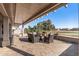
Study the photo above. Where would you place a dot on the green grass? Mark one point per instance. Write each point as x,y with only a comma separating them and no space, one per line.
69,33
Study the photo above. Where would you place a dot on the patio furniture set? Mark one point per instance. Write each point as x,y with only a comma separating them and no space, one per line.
39,37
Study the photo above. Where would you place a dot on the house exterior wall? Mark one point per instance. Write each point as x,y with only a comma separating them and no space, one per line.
1,30
6,41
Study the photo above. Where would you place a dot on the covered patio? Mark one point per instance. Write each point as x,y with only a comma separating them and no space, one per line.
14,15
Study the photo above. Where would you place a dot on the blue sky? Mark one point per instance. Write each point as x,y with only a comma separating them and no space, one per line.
62,18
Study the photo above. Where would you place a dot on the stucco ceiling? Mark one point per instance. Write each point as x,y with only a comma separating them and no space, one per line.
25,11
21,13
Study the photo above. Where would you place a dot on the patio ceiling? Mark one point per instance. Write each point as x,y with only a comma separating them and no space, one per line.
22,13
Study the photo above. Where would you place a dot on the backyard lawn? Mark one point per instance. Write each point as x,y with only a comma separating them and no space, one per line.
69,33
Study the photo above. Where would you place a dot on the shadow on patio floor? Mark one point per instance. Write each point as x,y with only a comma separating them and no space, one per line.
71,51
20,51
24,39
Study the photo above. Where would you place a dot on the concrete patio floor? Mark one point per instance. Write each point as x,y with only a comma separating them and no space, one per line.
8,52
38,49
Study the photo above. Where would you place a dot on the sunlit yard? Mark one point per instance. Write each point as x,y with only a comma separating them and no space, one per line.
69,33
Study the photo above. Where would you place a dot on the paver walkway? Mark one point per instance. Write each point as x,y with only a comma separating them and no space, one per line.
8,52
42,49
38,49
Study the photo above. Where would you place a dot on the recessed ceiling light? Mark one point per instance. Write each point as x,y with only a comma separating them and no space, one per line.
66,6
54,11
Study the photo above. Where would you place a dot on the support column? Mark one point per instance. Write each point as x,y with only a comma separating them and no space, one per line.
6,41
10,34
22,30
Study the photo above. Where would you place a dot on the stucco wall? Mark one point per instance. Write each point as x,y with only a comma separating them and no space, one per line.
0,29
68,39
